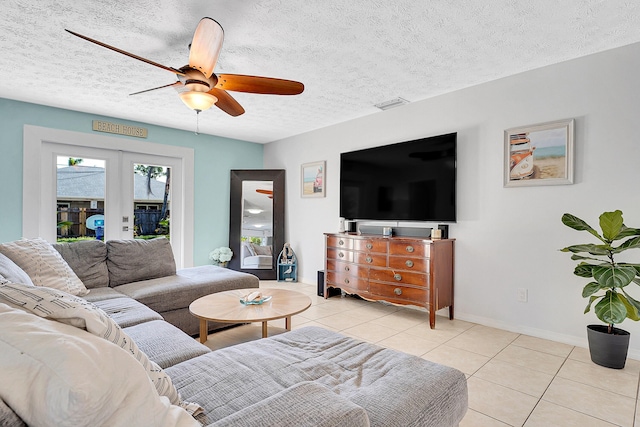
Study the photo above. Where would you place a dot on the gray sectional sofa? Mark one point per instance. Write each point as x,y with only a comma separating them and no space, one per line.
145,271
306,377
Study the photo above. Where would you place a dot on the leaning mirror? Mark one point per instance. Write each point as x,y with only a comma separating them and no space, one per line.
256,229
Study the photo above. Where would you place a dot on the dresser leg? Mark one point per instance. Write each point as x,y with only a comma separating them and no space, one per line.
432,318
451,312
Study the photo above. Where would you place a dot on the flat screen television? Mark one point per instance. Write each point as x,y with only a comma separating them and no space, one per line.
406,181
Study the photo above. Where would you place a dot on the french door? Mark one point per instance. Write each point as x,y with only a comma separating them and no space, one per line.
100,188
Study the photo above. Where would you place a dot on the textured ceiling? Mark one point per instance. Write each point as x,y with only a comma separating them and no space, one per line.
350,54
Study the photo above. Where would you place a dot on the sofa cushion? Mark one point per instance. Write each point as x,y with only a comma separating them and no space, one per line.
180,290
88,259
377,379
44,265
100,294
71,310
134,260
10,271
86,381
164,343
127,312
302,405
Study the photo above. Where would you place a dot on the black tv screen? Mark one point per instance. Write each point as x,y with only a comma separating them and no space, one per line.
410,181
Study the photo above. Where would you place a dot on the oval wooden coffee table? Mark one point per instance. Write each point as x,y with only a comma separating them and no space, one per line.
225,307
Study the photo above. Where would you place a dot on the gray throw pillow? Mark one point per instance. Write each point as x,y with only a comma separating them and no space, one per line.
135,260
88,259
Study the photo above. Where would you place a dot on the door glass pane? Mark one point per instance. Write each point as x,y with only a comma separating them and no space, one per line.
80,198
151,201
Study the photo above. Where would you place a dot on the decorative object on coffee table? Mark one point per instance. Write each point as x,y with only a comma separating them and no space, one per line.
225,307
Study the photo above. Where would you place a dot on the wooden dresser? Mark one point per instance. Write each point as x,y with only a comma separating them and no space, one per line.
399,270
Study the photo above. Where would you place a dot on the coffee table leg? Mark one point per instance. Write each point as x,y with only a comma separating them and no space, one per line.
264,329
204,331
287,323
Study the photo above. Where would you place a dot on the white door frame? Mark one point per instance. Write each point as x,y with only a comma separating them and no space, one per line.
39,178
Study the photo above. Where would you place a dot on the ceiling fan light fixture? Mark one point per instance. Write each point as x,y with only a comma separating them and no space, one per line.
198,101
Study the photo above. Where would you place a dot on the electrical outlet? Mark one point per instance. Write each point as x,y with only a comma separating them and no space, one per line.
522,295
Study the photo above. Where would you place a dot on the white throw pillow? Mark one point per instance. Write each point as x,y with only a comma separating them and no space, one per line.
44,265
78,312
58,375
11,272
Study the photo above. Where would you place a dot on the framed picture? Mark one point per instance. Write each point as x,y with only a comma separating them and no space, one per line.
539,154
312,179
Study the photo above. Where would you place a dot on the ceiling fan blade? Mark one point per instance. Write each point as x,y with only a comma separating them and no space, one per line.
227,103
139,58
206,45
255,84
156,88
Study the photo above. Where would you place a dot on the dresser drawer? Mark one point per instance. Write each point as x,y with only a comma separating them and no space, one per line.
399,292
408,247
347,281
399,277
342,242
379,260
406,263
340,254
370,245
348,269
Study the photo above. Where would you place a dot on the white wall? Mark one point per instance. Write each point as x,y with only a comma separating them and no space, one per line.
507,238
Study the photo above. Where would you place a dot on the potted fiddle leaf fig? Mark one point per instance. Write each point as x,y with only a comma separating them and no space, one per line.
609,284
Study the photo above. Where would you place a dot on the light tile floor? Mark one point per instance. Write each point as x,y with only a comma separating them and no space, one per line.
513,379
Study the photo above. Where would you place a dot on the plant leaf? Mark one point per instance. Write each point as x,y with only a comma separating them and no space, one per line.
588,247
632,311
609,276
628,244
591,300
580,257
627,232
584,270
635,303
611,224
591,289
578,224
610,309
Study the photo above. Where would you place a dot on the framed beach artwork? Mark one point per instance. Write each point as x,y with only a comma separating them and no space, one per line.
312,180
539,154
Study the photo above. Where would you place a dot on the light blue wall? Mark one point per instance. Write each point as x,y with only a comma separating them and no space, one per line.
214,158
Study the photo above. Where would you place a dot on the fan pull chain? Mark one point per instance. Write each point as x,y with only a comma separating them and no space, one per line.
197,122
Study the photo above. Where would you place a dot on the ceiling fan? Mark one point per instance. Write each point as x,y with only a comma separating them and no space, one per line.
198,86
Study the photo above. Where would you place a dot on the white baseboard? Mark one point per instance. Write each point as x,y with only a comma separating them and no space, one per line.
534,332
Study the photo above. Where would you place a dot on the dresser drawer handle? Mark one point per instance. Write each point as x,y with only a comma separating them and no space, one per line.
346,281
369,259
341,242
410,249
346,268
409,263
341,254
397,291
369,246
397,276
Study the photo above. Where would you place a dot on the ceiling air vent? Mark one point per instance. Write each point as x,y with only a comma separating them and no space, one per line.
387,105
